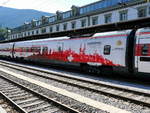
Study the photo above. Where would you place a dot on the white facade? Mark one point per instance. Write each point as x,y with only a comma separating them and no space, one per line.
131,13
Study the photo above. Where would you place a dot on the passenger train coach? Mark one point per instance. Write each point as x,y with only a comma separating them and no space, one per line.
125,51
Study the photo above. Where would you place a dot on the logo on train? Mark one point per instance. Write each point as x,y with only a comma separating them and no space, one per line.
119,43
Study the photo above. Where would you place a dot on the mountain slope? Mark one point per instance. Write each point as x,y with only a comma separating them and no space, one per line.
10,17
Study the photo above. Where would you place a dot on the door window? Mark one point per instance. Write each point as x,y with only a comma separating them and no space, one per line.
107,49
145,49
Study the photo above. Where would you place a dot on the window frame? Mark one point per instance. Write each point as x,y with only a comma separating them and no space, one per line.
73,24
57,28
123,15
142,8
83,23
65,26
145,49
107,49
95,20
108,18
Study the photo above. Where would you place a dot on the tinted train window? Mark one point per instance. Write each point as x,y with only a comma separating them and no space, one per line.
59,49
45,49
27,49
145,49
107,49
38,49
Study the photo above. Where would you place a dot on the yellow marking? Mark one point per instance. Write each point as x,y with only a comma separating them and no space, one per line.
119,43
74,96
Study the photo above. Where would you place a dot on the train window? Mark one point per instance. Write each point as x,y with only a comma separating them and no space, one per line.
145,49
23,49
27,49
107,49
32,49
45,49
38,49
59,49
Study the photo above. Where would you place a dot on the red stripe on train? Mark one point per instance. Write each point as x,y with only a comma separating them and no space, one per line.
143,33
72,56
138,50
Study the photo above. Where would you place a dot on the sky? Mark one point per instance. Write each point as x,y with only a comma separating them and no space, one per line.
50,6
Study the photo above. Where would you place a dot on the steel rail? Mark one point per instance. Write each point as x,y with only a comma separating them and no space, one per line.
123,97
12,103
57,103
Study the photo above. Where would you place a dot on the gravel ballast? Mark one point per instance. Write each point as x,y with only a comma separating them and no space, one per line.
129,106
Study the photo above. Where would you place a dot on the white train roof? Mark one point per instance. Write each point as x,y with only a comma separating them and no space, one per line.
112,33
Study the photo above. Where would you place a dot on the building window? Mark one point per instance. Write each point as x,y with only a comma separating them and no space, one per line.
51,29
65,26
142,11
43,30
101,4
24,34
83,23
95,20
32,32
66,14
108,18
52,19
73,25
57,27
21,34
28,33
123,15
37,31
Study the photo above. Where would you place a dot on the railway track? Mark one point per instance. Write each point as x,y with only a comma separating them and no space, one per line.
126,94
25,100
6,106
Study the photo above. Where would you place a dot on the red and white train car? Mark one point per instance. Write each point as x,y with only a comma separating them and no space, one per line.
125,51
142,55
6,50
102,49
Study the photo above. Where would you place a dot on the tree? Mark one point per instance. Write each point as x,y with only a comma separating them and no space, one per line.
3,33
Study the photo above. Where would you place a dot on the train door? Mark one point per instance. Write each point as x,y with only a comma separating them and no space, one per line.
143,60
13,51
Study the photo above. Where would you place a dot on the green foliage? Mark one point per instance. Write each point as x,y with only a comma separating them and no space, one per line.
3,33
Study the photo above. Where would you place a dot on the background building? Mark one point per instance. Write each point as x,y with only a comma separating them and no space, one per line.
98,13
